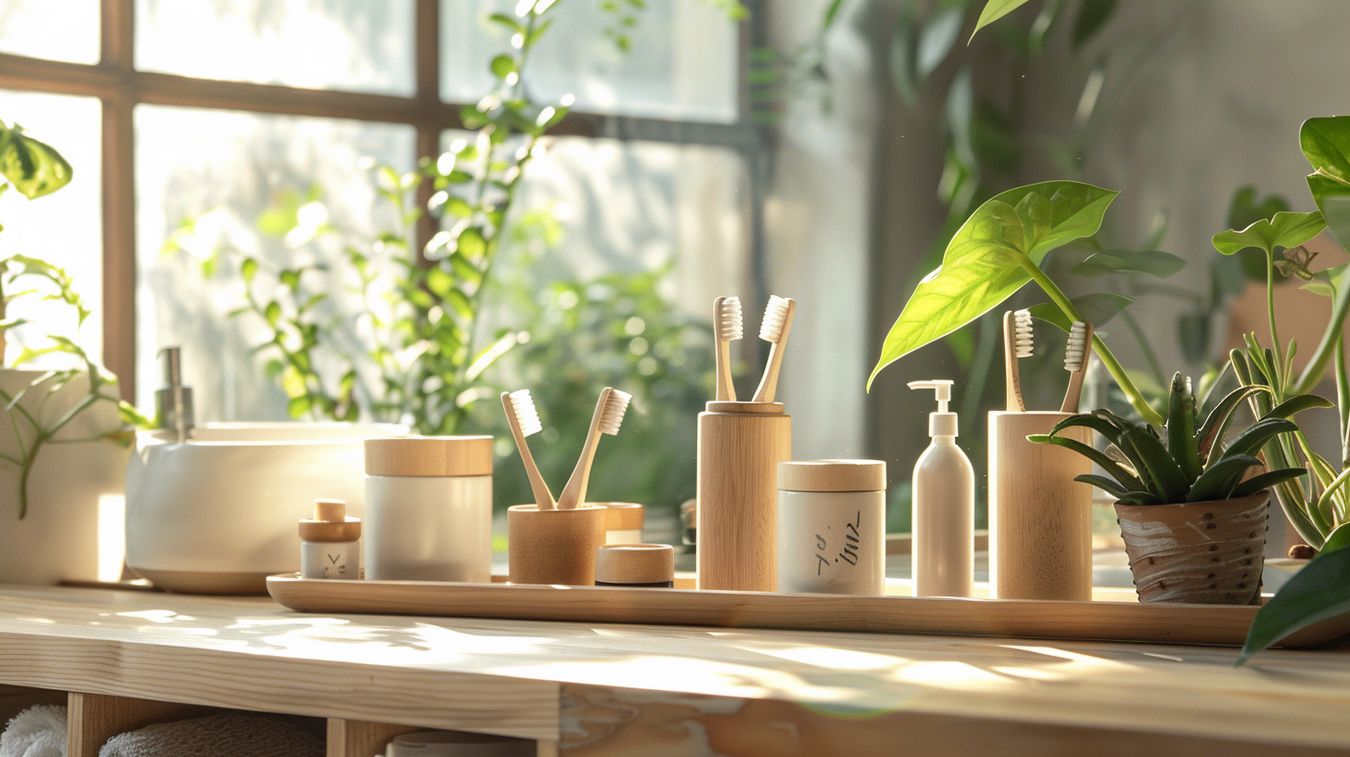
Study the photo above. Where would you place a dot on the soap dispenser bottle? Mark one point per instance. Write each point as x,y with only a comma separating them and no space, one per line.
943,496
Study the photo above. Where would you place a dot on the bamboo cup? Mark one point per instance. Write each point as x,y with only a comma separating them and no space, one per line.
740,445
1040,519
553,546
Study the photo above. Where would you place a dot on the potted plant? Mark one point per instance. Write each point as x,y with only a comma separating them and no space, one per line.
65,433
1193,520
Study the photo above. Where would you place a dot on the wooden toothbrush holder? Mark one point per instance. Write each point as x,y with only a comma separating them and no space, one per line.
553,546
740,445
1040,519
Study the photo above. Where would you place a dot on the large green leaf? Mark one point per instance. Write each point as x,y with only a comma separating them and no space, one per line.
984,263
1096,308
1326,145
35,168
1284,229
1319,591
994,10
1154,262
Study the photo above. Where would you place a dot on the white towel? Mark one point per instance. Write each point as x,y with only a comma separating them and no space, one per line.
39,731
221,735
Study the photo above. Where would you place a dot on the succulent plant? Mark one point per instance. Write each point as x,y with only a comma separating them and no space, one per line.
1188,460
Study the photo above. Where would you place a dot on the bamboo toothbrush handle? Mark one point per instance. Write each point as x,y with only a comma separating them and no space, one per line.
543,498
575,492
1013,378
1073,394
768,384
726,390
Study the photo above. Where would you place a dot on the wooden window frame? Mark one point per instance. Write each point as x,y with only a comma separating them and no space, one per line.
120,87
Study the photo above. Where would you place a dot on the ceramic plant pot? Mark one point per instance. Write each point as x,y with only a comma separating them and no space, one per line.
1208,553
72,530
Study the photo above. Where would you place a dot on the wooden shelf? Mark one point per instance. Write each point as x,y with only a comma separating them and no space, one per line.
608,689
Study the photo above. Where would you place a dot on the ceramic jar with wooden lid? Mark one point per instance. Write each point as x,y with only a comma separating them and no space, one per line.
429,509
832,526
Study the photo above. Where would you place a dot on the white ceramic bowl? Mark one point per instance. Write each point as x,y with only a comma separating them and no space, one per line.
218,513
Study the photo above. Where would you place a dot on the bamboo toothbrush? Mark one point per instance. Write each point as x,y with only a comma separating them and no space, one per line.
774,328
1018,343
1077,354
730,325
609,411
523,418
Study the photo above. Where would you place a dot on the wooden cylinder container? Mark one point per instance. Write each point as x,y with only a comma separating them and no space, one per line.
740,445
1040,519
553,546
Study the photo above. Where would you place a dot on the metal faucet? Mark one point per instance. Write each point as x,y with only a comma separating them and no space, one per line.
173,402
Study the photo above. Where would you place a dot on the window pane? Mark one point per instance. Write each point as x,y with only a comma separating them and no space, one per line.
65,227
52,29
246,183
681,61
614,253
319,44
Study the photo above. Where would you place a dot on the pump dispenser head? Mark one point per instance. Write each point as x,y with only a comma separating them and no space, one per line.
940,422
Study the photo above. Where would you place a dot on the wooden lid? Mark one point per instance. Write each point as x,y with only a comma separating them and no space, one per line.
622,516
832,476
429,456
635,563
744,408
330,523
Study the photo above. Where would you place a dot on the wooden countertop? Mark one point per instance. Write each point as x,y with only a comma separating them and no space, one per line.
509,677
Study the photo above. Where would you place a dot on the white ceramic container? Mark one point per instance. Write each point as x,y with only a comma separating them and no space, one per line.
72,529
217,514
832,526
428,510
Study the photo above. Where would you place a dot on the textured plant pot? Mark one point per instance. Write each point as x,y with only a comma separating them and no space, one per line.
1208,553
72,530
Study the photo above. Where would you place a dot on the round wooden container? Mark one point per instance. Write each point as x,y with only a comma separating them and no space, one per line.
740,445
553,546
623,522
635,565
1040,519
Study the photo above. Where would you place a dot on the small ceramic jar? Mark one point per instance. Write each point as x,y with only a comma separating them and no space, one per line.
649,566
330,542
623,522
832,526
429,509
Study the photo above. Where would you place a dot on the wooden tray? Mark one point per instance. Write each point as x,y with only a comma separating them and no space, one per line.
1219,625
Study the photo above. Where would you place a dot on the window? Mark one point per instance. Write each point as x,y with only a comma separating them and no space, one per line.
206,108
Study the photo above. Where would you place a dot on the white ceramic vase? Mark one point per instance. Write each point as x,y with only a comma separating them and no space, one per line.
73,524
219,513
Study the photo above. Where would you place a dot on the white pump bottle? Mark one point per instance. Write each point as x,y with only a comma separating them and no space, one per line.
943,491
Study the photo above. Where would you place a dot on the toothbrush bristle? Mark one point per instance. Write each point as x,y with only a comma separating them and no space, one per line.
775,316
730,320
527,415
1023,338
1076,349
615,408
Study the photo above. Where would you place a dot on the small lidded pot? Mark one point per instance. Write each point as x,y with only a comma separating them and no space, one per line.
330,542
650,566
429,508
623,522
832,526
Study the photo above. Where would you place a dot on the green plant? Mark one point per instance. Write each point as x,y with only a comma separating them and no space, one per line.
425,352
1190,459
35,169
996,252
1320,504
